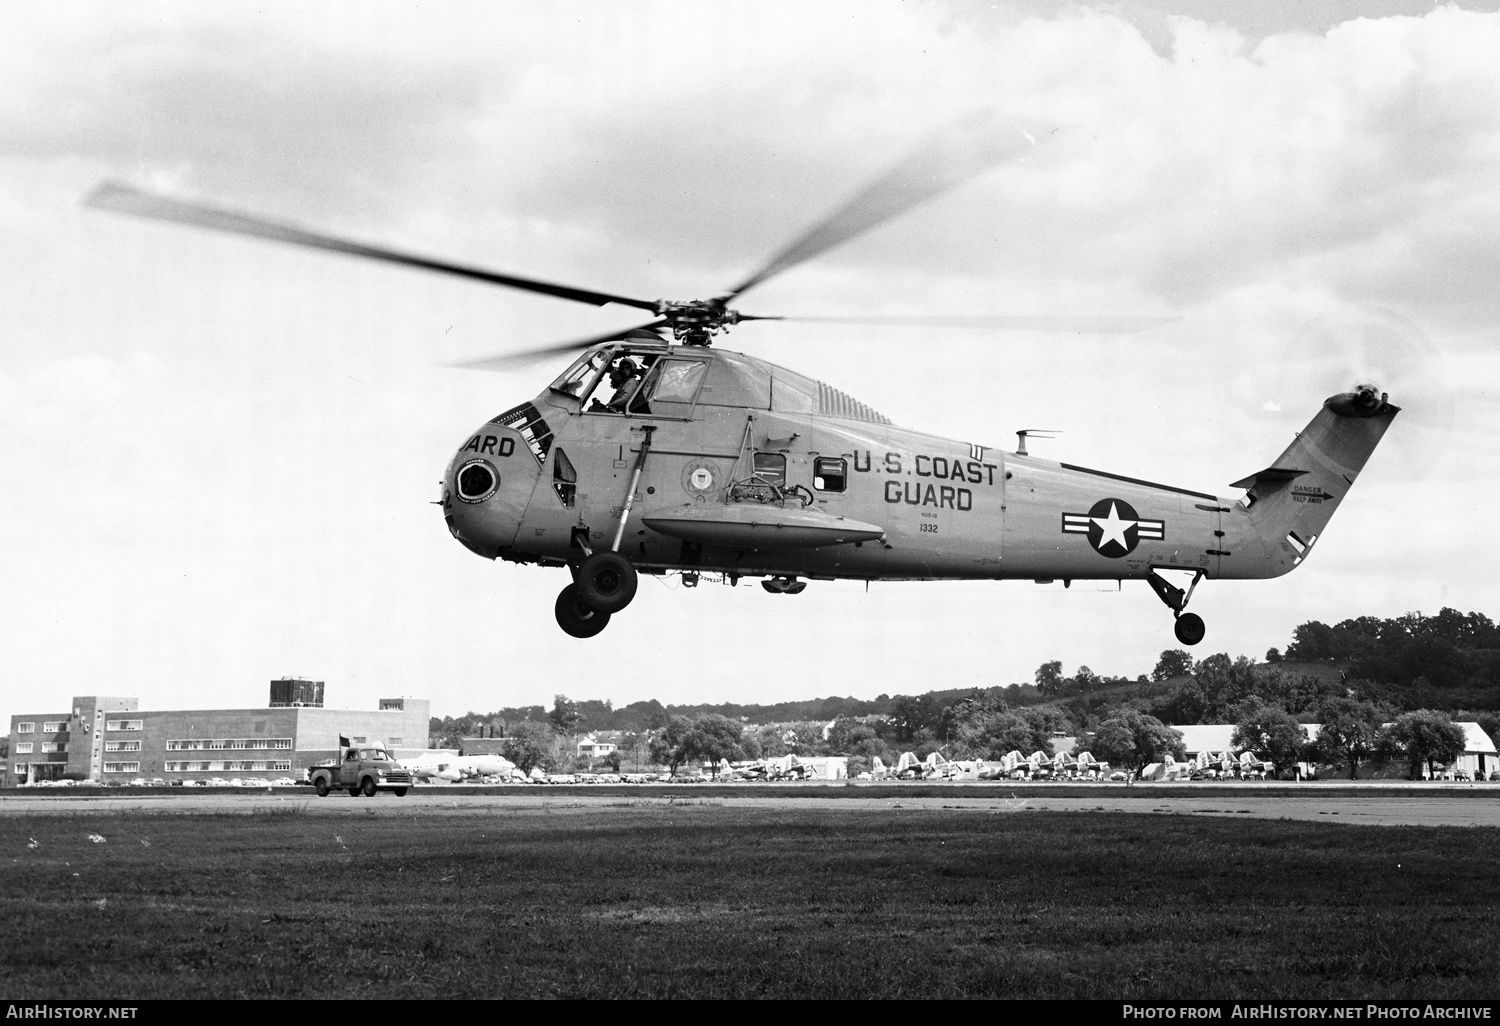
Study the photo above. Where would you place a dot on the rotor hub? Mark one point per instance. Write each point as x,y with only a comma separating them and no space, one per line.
695,322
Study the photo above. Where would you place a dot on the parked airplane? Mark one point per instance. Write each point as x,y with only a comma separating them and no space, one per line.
448,765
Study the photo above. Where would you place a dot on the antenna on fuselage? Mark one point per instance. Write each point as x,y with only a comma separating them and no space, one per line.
1022,435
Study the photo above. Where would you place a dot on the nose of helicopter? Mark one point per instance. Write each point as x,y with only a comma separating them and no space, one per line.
485,490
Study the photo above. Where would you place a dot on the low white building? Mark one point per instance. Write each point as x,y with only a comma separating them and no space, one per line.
1480,759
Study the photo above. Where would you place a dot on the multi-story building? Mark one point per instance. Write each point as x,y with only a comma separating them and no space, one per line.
111,739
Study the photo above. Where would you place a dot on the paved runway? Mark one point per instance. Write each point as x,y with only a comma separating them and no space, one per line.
1454,805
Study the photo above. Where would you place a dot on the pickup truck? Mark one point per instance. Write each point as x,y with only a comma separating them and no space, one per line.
361,769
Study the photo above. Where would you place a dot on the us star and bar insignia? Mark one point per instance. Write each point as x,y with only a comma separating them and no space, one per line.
1113,527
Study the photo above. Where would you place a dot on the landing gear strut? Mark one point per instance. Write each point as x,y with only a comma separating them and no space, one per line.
1189,627
604,582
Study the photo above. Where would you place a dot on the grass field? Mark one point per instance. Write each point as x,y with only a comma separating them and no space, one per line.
698,900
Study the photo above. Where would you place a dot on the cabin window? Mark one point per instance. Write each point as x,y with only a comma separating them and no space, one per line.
770,467
830,475
564,478
677,381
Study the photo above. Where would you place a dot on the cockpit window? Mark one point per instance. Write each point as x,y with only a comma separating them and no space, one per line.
579,378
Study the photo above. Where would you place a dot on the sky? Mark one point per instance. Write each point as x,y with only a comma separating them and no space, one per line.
218,456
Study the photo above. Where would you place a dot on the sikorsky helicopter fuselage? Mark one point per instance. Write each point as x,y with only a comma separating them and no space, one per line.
717,462
649,457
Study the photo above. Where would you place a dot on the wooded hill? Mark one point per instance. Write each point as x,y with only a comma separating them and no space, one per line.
1449,661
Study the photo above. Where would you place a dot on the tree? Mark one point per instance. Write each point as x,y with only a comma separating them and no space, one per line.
527,746
1132,739
1174,662
847,732
564,715
910,715
988,730
1049,678
1271,734
668,742
1424,736
1350,733
1086,679
712,737
1221,683
1273,655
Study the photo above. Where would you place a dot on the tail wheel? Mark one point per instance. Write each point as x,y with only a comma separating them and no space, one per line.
576,617
367,787
607,582
1189,628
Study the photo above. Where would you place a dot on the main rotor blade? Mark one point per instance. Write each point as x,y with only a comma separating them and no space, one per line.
955,155
125,199
505,361
1089,324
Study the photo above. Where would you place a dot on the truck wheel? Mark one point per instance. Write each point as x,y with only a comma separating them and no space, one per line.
367,787
400,792
353,792
321,786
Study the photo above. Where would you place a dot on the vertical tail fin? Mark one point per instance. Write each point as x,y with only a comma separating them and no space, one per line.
1290,502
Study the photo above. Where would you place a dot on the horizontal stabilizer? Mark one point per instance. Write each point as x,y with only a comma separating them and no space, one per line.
1267,476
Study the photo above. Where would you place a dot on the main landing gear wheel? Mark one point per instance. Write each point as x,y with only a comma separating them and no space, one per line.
576,617
606,582
1189,628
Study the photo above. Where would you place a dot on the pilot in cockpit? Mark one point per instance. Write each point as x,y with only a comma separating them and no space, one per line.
623,377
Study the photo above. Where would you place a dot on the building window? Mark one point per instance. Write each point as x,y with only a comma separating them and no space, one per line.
232,743
222,766
122,746
23,747
21,768
123,724
54,746
122,767
54,727
25,728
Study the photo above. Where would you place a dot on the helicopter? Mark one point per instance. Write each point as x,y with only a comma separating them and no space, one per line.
657,452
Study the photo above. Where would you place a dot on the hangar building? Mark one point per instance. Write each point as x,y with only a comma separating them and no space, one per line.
104,739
